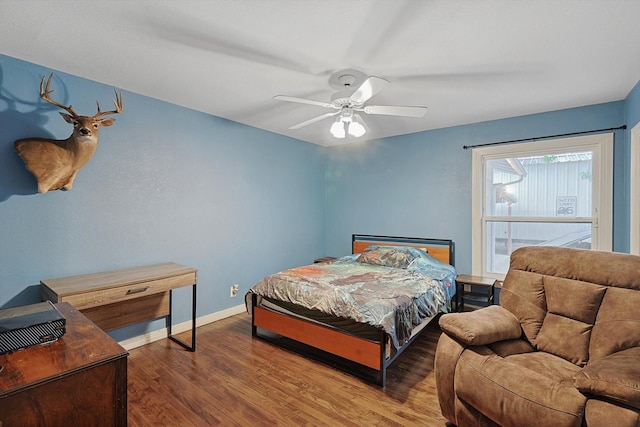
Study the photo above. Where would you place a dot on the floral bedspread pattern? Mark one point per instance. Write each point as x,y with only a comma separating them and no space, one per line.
394,299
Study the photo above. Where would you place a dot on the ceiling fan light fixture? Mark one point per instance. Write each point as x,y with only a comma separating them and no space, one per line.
347,124
337,129
356,129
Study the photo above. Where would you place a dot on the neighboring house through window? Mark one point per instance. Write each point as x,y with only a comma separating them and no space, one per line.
548,193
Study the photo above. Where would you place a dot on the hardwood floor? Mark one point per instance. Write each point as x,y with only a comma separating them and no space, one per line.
236,380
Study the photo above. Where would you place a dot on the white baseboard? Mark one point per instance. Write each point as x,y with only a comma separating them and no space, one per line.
159,334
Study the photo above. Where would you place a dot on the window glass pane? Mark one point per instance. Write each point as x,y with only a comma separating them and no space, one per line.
554,185
504,237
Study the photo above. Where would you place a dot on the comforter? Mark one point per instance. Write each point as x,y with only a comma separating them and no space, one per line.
366,289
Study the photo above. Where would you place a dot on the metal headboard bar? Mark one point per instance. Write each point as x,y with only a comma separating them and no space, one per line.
399,239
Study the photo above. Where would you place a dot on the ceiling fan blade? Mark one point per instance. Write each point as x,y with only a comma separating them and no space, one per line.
368,88
315,119
304,101
392,110
191,29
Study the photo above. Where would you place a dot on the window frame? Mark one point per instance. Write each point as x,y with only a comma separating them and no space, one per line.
602,188
634,192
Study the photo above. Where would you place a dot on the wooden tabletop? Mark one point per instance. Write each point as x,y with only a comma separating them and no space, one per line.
124,277
83,345
469,279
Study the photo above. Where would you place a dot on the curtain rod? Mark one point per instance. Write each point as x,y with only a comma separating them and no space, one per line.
543,137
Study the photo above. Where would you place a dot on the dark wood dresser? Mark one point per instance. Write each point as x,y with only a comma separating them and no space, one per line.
81,379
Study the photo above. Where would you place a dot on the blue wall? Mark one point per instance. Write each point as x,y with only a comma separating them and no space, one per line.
632,107
166,184
173,184
420,184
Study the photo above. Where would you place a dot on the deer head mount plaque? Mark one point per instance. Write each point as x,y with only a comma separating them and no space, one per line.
56,162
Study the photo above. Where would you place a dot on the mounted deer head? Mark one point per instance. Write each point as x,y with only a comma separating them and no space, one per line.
54,162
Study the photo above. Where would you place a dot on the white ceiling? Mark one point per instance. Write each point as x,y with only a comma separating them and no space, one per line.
467,61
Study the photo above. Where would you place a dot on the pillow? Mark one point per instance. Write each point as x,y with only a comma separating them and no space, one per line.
427,262
389,256
616,377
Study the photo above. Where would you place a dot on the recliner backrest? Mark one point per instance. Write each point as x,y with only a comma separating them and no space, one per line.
577,304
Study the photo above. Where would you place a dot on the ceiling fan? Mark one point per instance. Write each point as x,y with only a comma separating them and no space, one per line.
348,102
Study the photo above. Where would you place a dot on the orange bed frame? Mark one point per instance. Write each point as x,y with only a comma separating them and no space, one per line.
365,358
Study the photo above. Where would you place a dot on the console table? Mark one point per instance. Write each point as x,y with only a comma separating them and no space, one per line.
79,379
117,298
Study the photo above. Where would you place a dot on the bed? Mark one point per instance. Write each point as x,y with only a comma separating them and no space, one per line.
358,312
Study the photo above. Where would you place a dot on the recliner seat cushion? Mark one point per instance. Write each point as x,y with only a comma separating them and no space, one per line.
546,364
615,377
599,413
515,396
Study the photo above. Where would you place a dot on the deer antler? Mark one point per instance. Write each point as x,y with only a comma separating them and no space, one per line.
44,94
116,102
45,91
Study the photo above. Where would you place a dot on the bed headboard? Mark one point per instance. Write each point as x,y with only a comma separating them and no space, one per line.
440,249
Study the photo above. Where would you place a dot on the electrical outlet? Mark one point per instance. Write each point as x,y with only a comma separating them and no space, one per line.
233,291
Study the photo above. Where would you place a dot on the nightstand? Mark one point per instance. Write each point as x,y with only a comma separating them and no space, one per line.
474,291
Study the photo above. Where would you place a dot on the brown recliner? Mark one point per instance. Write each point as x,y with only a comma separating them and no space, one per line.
561,349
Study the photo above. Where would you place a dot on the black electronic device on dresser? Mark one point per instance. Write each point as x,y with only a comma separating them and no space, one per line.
29,325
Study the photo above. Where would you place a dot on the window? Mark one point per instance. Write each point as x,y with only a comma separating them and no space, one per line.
552,193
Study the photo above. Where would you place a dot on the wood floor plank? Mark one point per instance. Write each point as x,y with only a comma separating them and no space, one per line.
234,379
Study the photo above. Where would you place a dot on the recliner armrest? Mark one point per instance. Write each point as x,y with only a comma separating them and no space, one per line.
615,377
481,327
